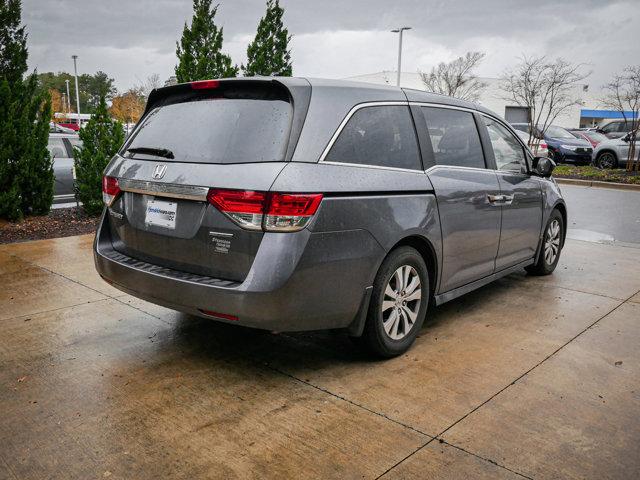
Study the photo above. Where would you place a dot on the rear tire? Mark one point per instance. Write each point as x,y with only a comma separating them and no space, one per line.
398,304
551,247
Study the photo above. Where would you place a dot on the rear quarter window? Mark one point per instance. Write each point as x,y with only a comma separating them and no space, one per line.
381,136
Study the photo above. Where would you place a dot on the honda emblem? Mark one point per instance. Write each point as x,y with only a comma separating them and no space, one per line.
159,171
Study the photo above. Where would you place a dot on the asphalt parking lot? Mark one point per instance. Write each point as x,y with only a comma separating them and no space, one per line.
525,378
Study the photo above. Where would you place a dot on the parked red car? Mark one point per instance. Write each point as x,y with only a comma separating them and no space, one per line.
593,137
72,126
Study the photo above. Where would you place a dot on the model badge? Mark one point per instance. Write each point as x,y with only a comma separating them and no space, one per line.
159,171
221,241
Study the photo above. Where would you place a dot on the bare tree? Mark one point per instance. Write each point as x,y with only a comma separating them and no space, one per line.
456,78
623,95
546,88
152,82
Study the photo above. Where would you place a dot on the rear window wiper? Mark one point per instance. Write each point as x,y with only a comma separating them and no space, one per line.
158,152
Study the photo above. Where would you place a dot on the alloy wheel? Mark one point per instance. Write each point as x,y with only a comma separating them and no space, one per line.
552,242
401,302
607,161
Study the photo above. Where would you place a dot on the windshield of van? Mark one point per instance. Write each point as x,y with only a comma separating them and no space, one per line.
216,130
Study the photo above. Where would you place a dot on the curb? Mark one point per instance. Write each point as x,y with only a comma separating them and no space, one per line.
598,184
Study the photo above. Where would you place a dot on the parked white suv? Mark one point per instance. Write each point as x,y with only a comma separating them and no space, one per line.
613,153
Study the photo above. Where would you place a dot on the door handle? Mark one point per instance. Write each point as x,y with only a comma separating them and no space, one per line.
500,199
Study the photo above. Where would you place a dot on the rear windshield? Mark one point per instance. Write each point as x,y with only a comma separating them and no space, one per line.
557,132
217,130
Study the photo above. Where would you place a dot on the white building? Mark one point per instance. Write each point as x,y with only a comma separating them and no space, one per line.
589,113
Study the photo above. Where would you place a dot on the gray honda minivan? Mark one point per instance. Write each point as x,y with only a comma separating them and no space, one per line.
294,204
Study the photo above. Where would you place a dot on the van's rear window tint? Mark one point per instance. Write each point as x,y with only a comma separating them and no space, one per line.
381,136
218,130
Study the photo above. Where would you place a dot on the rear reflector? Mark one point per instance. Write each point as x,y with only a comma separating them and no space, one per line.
272,211
224,316
205,84
110,189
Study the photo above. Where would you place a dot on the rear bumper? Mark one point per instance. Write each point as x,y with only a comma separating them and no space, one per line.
298,281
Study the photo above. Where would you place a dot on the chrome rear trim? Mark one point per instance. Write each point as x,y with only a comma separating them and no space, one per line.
187,192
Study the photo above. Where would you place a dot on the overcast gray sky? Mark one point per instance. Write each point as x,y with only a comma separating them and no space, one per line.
133,39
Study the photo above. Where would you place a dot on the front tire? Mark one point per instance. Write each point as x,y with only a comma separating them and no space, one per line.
398,304
551,246
606,160
556,156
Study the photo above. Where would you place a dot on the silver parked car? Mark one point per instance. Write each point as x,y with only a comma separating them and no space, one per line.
616,128
613,153
295,204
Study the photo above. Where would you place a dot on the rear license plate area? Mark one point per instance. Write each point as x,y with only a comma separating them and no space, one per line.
161,213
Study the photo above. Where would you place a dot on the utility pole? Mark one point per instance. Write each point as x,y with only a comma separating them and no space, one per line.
64,103
68,97
75,71
399,31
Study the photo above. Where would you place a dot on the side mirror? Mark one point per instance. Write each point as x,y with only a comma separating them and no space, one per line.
543,166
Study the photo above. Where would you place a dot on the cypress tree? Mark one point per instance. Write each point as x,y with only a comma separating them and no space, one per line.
26,169
9,180
268,53
199,51
35,165
101,138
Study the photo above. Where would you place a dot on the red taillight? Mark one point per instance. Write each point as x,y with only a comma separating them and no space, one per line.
289,212
110,189
294,204
280,212
205,84
238,201
245,207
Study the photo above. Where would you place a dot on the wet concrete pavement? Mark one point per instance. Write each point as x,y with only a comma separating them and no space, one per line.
525,378
603,214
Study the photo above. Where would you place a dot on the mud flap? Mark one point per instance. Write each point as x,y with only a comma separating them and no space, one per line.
356,327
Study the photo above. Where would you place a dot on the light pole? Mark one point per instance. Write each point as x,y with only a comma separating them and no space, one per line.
68,97
75,71
400,30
